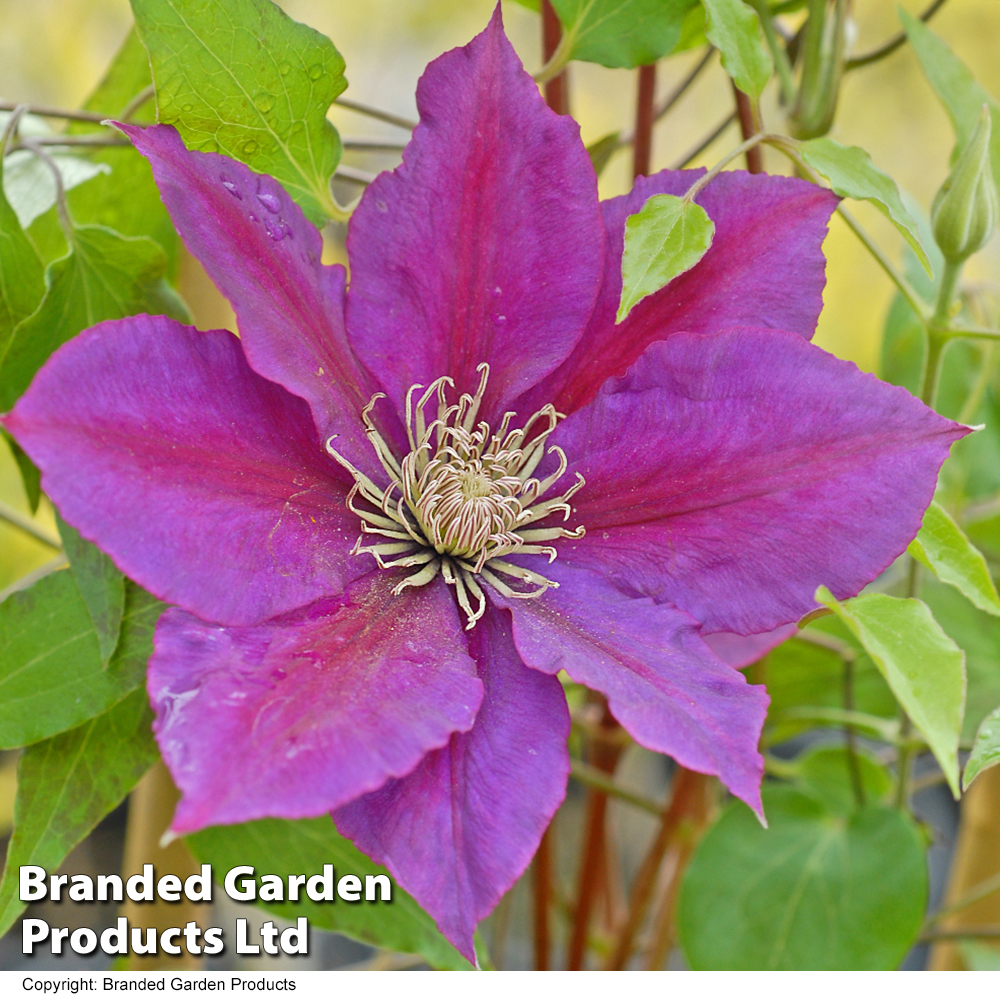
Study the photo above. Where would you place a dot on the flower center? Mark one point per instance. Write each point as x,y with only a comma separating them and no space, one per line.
463,498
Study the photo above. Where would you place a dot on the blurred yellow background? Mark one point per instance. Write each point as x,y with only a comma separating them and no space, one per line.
54,51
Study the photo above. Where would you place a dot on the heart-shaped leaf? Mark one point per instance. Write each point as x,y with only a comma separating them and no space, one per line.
733,28
246,80
923,666
942,547
285,846
851,174
665,238
986,749
813,891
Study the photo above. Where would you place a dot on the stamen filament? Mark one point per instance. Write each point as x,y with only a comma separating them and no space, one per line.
459,502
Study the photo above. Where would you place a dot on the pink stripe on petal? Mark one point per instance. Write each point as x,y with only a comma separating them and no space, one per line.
460,830
731,474
765,268
204,482
486,244
294,717
662,682
265,257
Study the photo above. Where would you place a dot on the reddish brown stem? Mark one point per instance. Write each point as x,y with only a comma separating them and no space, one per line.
744,110
689,792
664,932
592,874
557,89
615,904
663,924
543,900
644,117
593,848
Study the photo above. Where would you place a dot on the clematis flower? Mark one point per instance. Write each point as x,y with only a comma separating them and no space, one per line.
388,517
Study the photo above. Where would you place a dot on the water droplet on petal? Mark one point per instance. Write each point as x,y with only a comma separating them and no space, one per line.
277,229
230,185
269,201
253,218
315,71
250,146
381,206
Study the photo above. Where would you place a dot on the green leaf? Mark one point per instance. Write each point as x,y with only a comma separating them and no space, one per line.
942,547
801,676
734,29
985,534
903,346
30,187
100,202
21,282
52,676
101,585
667,237
986,749
601,151
824,773
922,665
127,76
956,88
30,476
973,471
281,847
68,784
979,957
968,390
903,336
246,80
48,237
851,174
692,31
815,891
621,33
106,276
977,634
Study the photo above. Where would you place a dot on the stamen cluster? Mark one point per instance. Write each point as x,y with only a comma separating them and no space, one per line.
463,498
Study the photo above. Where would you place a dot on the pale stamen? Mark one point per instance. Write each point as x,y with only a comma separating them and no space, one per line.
462,499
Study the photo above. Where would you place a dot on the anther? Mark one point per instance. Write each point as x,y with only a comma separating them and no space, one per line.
461,500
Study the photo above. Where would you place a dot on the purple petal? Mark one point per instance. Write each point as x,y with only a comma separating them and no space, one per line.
486,244
662,682
739,651
732,474
294,717
461,828
264,256
204,482
765,268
